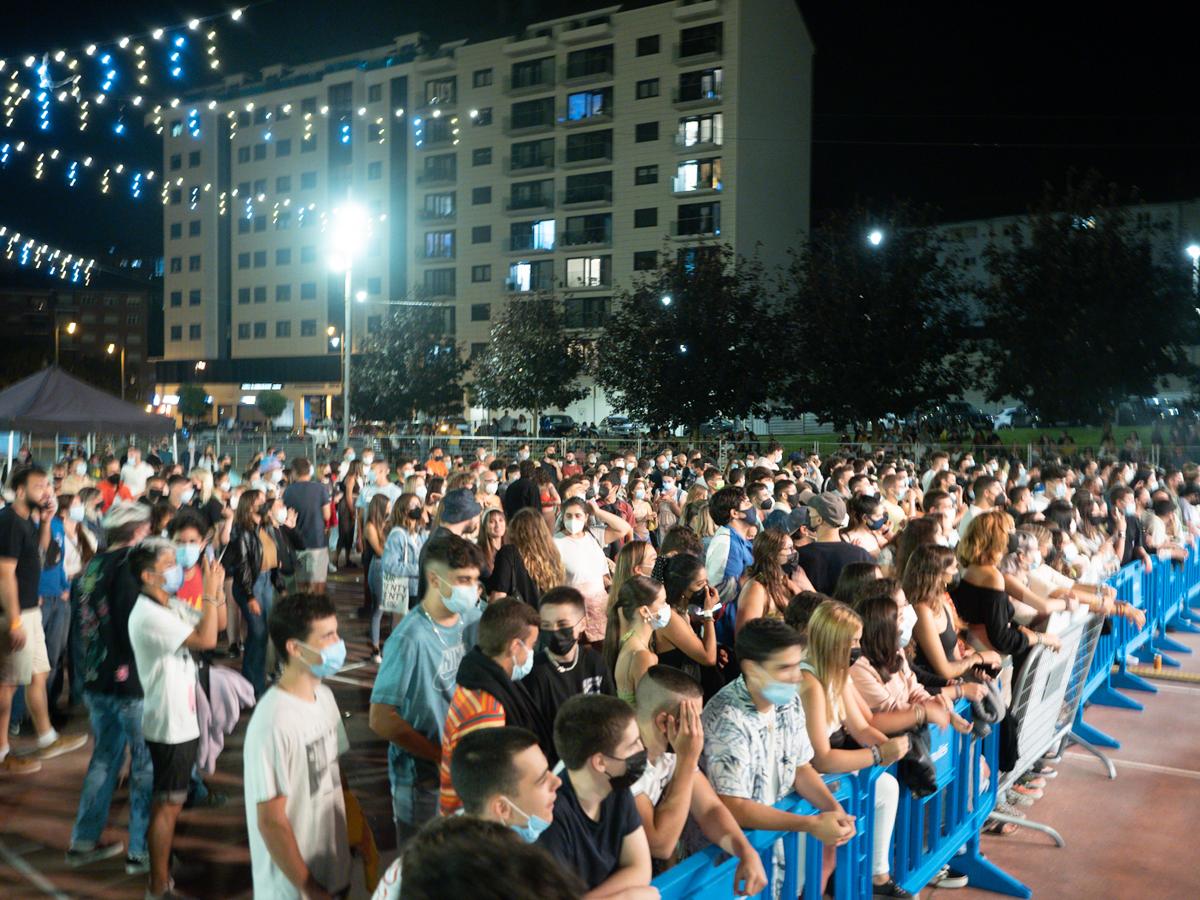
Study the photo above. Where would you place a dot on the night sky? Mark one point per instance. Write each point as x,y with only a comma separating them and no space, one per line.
969,107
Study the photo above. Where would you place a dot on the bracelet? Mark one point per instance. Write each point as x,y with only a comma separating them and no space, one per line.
15,624
215,603
921,714
958,692
876,756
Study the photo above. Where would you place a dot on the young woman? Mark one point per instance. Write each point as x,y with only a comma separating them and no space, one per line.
868,526
528,564
768,588
831,703
700,520
644,518
635,558
547,495
916,533
375,529
689,642
640,610
851,579
405,538
492,529
251,560
351,485
581,549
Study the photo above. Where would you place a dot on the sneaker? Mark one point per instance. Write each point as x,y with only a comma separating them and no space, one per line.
1033,793
1015,799
64,743
1029,779
1009,809
15,765
137,865
890,889
377,658
332,569
948,878
1045,770
76,858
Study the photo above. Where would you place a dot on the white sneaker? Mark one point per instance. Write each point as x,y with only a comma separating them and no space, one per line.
332,569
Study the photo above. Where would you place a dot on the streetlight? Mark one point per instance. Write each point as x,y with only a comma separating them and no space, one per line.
71,328
110,350
347,236
361,296
666,300
1193,250
875,238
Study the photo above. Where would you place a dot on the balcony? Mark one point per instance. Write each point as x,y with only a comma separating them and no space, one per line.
694,98
530,203
437,176
697,52
603,117
587,156
440,257
440,61
523,126
545,83
522,167
697,146
588,195
584,32
587,237
524,45
526,243
427,107
598,76
686,10
432,215
695,229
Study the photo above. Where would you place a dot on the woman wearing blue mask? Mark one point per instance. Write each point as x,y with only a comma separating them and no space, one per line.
640,610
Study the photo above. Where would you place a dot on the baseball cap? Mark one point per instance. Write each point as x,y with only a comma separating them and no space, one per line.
830,507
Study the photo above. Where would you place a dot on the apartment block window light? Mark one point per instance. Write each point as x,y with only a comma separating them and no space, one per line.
194,332
647,88
439,245
481,312
645,260
536,235
481,157
589,271
481,78
645,218
695,130
645,175
177,298
646,131
308,328
439,206
698,175
260,330
440,91
480,274
589,104
527,276
702,85
481,234
648,45
481,196
194,297
243,331
283,328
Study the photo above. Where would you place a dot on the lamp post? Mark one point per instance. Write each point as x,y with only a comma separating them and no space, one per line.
875,238
110,350
71,328
1193,250
347,235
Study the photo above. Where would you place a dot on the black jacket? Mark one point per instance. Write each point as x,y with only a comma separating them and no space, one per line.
243,557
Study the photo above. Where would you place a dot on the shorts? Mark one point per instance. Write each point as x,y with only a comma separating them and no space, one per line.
173,765
19,666
312,566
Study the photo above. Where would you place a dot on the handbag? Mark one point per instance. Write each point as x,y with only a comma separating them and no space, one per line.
395,590
917,771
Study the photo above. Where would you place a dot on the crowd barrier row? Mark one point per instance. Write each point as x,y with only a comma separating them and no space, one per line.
1050,696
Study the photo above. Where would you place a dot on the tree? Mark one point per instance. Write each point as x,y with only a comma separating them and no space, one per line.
411,365
531,362
1079,312
875,328
271,404
691,341
193,402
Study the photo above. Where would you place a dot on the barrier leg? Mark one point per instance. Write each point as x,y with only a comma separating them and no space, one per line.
1093,735
1127,681
1106,696
1162,642
1075,738
983,874
1036,826
1183,622
1145,654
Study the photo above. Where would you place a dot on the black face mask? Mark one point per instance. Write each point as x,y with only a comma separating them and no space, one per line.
414,514
634,767
154,495
855,654
697,598
114,479
560,641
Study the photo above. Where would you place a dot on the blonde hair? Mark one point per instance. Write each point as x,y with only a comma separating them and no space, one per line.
206,482
530,535
700,520
484,538
631,556
986,540
830,633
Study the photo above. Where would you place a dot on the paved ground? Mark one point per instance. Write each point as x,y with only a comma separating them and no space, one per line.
1128,838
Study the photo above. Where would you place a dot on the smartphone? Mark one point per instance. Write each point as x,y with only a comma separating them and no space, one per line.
209,553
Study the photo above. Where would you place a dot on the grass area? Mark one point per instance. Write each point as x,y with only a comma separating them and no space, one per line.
1083,436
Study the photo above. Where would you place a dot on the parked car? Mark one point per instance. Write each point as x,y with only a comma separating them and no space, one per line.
558,425
717,427
617,425
1145,410
952,414
1015,417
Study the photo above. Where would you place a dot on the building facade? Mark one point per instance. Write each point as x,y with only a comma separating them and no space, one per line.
563,159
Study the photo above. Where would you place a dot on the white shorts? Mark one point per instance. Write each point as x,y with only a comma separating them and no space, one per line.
19,666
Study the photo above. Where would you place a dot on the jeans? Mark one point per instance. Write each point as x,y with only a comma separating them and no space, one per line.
254,657
375,582
116,724
56,622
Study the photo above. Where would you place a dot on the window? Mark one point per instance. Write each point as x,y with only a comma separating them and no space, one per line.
699,218
589,104
283,148
194,297
589,271
176,229
260,223
194,332
701,39
481,78
283,293
308,328
193,159
243,155
586,312
243,260
532,73
481,196
478,349
532,154
439,206
283,328
440,168
308,180
176,196
646,131
243,331
260,330
695,130
260,294
439,282
697,175
176,263
260,152
194,262
283,111
374,171
481,274
194,228
260,259
645,260
309,144
532,194
593,187
440,91
480,312
648,45
375,93
308,254
483,116
533,113
531,276
308,105
176,162
481,234
592,61
243,119
308,290
283,256
244,295
595,228
481,157
374,324
645,175
283,184
647,88
177,298
439,245
535,235
644,218
283,220
261,114
702,85
177,332
436,131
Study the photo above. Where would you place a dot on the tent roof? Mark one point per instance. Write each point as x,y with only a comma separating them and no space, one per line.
53,401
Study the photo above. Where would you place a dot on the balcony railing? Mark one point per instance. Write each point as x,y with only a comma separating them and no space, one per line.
592,155
587,237
695,228
695,9
526,126
591,193
437,176
695,97
698,51
695,146
526,243
544,83
586,75
542,200
518,167
435,215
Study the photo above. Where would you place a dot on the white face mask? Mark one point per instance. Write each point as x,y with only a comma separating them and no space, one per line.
573,525
907,620
280,514
421,491
368,458
491,487
186,496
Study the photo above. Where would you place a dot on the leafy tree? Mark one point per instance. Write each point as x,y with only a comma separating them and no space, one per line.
1080,311
193,402
271,404
874,328
531,362
711,351
410,366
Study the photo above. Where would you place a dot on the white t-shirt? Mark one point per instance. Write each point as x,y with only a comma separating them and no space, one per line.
389,885
291,750
583,558
655,779
135,477
166,670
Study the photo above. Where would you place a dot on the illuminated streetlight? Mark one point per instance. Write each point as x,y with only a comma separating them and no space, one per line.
110,350
666,300
875,238
70,328
348,234
361,296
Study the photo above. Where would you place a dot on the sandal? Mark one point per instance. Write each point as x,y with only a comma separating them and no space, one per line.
1000,829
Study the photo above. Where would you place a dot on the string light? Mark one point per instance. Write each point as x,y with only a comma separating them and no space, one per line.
27,251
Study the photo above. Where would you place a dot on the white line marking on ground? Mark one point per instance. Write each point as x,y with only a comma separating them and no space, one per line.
32,875
350,667
350,681
1147,767
1174,687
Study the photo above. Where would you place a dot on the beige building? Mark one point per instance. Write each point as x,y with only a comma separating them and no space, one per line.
563,159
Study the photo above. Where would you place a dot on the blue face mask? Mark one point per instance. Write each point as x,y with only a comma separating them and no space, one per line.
187,555
751,515
662,618
333,658
463,597
779,693
520,670
533,827
173,579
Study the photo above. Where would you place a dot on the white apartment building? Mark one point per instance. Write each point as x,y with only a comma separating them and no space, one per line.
563,159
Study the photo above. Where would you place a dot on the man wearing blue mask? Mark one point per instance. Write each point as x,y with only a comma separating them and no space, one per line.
295,811
416,680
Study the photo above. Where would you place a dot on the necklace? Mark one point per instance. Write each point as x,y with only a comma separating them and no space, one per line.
560,667
437,629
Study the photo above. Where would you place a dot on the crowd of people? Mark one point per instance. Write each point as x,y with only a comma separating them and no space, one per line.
588,666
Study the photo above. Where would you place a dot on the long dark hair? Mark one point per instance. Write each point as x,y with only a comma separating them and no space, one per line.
679,574
881,634
635,593
915,534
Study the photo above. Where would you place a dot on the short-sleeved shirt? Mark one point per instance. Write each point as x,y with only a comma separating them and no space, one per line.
308,498
823,562
417,677
390,490
19,541
590,848
291,750
550,685
470,710
166,670
655,779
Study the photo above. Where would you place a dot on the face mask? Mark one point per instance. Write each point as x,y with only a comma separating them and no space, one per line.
767,504
280,514
718,484
1060,490
639,494
414,513
368,459
560,641
668,485
422,492
491,487
855,654
661,619
155,495
333,658
877,524
533,827
624,479
350,456
902,493
81,468
523,455
1070,552
187,555
1036,560
572,526
779,693
76,513
463,597
521,669
751,515
223,487
907,620
634,767
1130,508
186,497
173,579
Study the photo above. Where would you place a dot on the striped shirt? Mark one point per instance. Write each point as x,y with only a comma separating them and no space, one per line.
470,709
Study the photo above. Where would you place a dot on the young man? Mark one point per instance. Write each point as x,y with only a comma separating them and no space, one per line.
135,473
756,746
163,636
416,681
564,668
672,787
295,811
310,500
488,691
459,514
823,559
596,831
729,554
23,657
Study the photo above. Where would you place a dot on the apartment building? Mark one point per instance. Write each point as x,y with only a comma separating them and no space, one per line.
563,158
